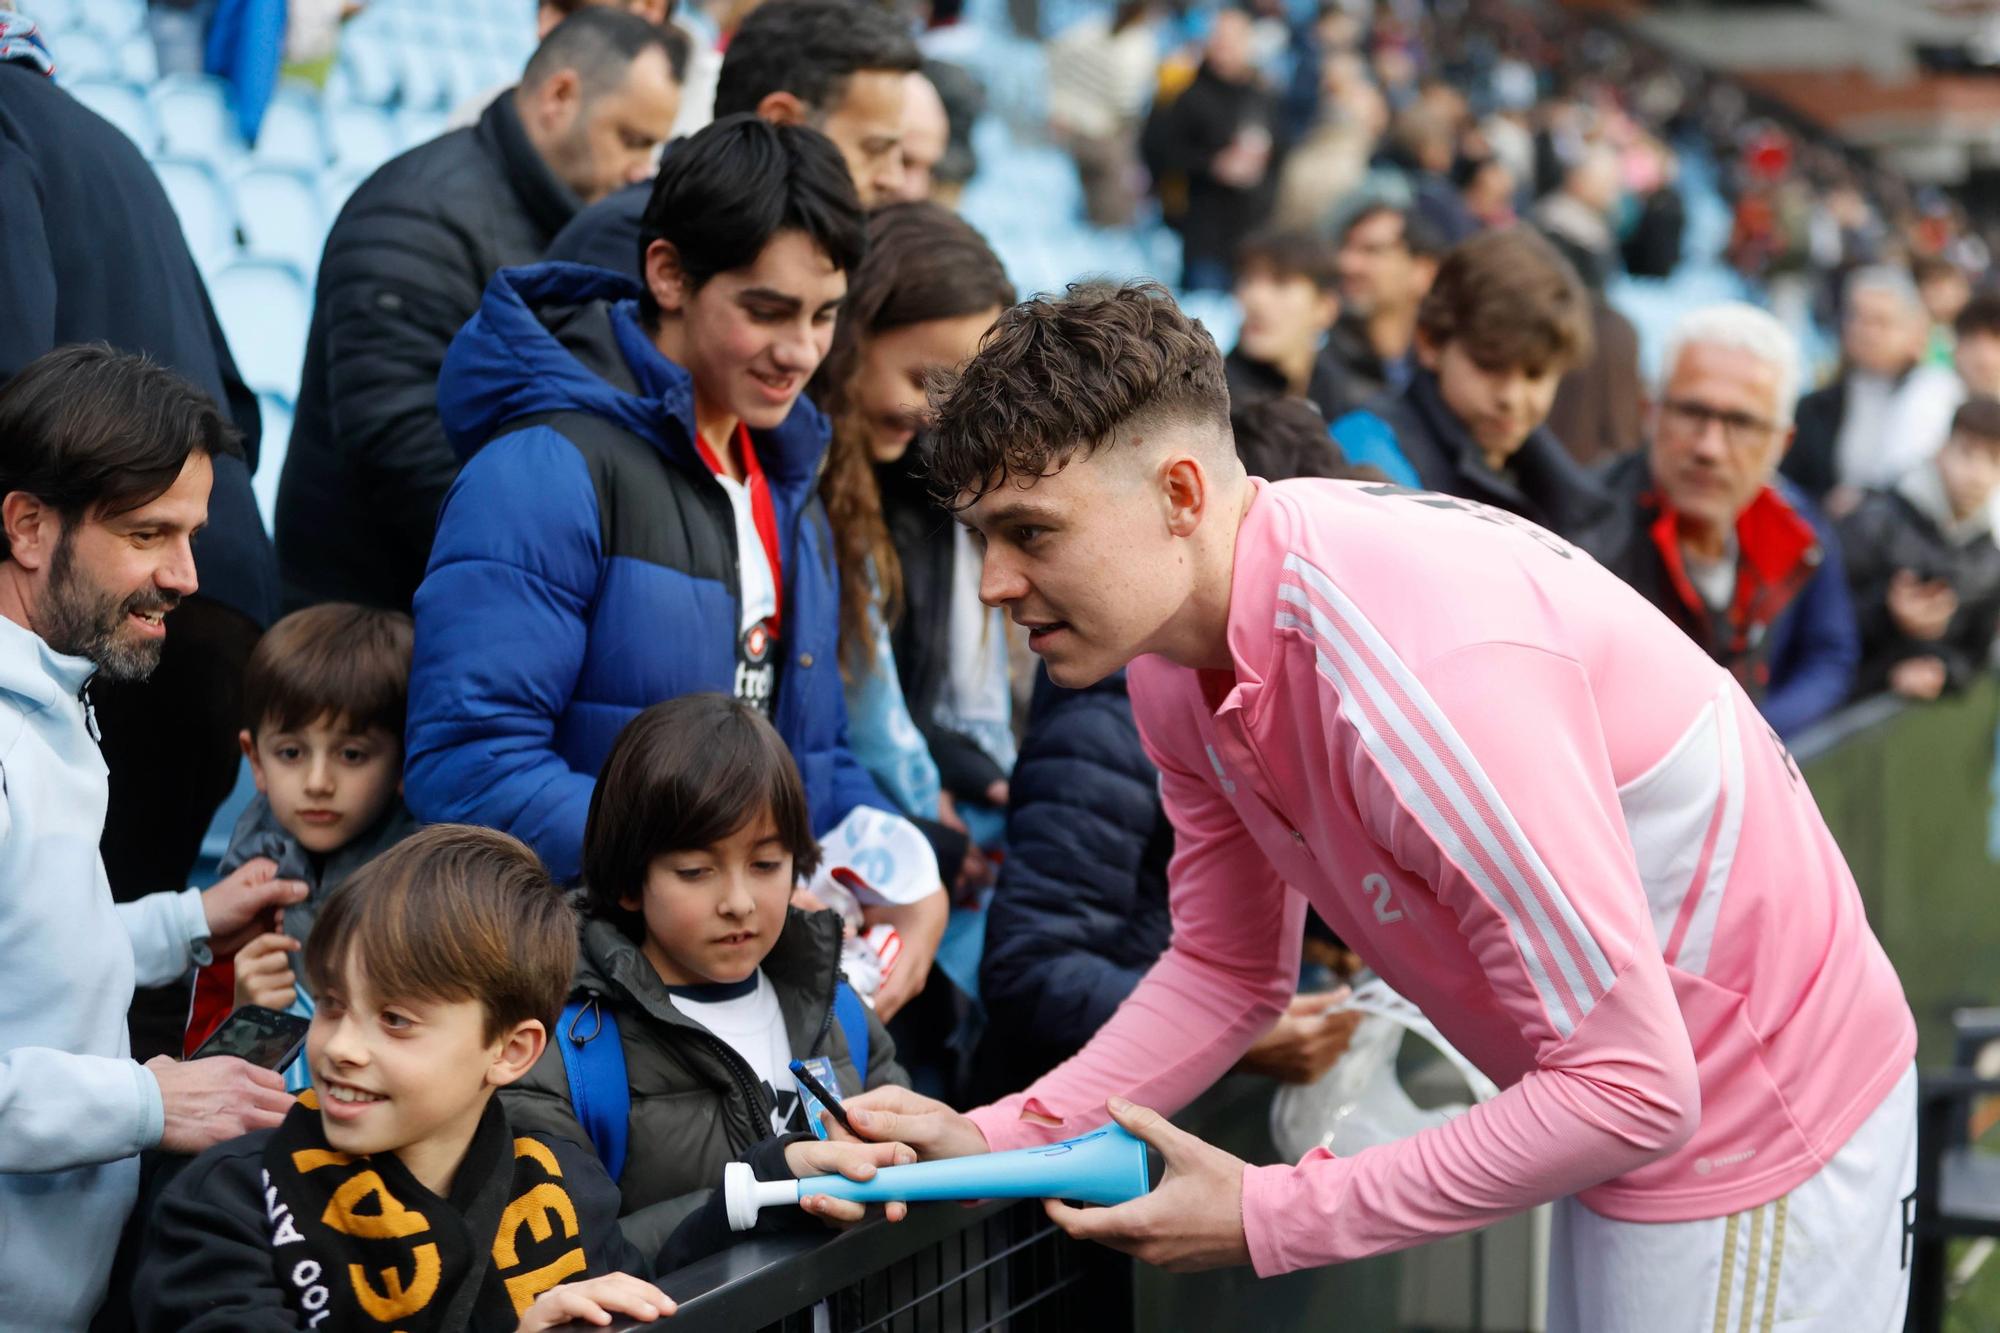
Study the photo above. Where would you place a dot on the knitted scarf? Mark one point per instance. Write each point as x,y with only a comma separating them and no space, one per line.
359,1243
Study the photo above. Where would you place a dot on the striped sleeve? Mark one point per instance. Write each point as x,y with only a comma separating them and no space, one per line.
1485,773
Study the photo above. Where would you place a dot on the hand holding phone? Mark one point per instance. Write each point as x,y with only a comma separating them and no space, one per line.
264,1037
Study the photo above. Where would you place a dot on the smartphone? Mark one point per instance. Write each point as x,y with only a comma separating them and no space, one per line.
262,1036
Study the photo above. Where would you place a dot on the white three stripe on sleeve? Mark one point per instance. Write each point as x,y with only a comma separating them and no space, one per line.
1438,778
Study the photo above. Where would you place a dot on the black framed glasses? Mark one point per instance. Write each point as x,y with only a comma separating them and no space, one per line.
1688,420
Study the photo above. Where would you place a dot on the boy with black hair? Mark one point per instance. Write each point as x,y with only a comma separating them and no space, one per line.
1287,284
1505,318
835,65
694,963
639,520
1976,344
1925,566
324,697
398,1194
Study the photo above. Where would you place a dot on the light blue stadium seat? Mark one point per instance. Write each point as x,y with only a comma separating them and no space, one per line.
112,18
292,134
334,188
277,415
194,117
82,54
370,63
207,219
54,16
362,137
420,124
138,59
122,105
281,215
422,82
264,309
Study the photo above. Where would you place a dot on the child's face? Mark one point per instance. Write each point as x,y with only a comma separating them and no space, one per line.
1284,316
1971,471
409,1077
326,782
1498,408
712,914
1978,360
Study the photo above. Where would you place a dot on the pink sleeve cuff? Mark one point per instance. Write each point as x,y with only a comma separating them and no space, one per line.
1005,1129
1276,1209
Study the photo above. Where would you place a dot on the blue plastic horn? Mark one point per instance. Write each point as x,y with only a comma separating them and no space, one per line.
1106,1166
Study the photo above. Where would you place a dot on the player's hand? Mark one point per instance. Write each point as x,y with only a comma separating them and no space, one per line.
1305,1041
264,972
921,925
596,1301
890,1114
856,1161
1194,1220
239,907
216,1098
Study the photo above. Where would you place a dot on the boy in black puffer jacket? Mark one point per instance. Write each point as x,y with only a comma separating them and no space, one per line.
709,979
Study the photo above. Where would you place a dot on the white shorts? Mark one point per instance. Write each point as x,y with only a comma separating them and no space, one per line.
1827,1258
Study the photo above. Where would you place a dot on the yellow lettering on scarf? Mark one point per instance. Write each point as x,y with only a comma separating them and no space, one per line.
522,1290
312,1159
391,1220
535,1148
397,1300
532,1211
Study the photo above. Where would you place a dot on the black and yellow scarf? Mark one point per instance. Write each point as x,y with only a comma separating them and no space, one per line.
358,1243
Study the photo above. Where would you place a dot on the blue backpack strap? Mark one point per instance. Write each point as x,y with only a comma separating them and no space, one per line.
594,1062
852,1015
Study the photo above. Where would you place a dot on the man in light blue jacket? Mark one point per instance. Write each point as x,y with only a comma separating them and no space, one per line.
105,467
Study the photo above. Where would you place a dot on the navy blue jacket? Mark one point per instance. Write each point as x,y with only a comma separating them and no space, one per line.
1080,912
582,573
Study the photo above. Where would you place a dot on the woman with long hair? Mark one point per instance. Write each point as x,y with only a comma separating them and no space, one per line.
925,665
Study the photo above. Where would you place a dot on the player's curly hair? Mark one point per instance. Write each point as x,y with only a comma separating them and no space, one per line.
1058,377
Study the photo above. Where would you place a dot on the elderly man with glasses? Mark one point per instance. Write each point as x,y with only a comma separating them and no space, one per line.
1725,547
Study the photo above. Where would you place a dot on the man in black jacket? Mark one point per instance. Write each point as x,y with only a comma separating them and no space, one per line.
93,253
835,65
1387,260
404,267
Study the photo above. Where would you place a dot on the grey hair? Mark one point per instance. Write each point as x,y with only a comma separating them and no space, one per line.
1738,327
1883,278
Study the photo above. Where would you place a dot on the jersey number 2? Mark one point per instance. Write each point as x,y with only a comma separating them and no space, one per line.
1377,886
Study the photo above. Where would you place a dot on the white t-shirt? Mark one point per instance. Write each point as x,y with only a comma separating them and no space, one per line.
746,1015
756,648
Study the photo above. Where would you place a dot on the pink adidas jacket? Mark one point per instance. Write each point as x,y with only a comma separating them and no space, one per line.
1547,818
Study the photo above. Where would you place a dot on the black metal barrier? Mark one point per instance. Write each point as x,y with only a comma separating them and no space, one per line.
943,1269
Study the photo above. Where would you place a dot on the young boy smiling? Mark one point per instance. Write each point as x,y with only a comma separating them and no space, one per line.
398,1195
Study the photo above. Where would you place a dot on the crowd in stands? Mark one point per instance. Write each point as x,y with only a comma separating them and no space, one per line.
624,710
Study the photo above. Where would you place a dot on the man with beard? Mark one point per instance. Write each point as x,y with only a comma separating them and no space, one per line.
106,462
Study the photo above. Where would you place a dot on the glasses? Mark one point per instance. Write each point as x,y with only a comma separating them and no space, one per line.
1689,421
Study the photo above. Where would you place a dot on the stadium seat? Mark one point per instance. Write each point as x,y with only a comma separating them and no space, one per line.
138,60
195,121
264,310
421,81
292,135
420,124
54,16
277,437
371,68
335,187
207,220
112,18
81,54
122,105
362,137
281,215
